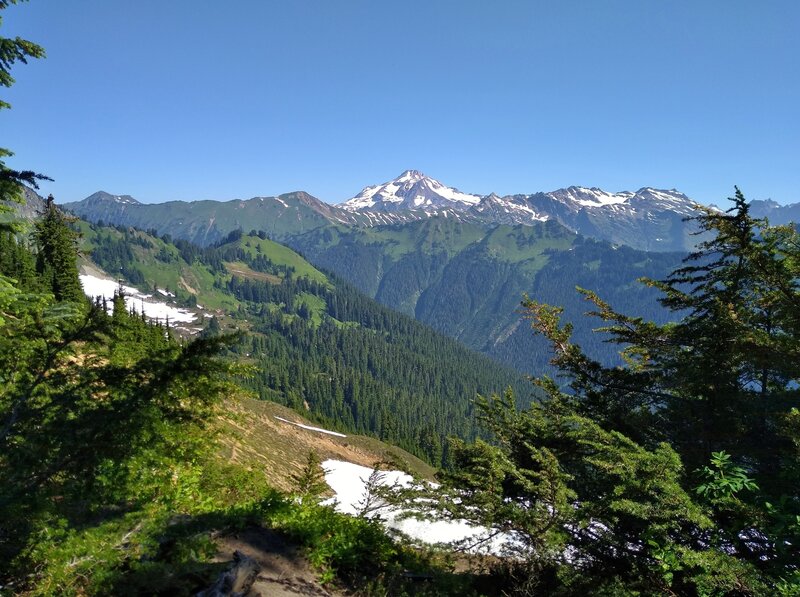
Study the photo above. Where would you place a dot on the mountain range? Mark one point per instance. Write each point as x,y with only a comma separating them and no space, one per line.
457,261
648,219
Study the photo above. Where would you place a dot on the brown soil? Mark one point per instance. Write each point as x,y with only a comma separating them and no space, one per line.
284,572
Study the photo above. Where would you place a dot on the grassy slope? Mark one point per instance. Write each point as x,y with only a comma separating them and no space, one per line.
177,275
253,437
281,255
526,245
196,278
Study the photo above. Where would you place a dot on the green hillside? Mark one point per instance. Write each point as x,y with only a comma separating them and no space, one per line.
467,281
317,344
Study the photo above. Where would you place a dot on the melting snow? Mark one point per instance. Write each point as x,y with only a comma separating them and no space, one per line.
349,482
317,429
135,299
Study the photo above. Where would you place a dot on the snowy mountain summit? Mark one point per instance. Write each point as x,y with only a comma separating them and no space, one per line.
411,190
649,219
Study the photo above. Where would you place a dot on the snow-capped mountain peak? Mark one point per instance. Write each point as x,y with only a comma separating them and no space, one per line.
411,190
410,176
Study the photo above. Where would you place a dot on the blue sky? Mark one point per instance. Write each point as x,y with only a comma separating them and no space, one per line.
193,99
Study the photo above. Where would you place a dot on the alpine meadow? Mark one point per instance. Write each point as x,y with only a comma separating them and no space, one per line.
418,389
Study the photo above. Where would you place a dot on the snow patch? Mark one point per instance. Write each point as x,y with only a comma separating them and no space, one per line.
349,482
140,302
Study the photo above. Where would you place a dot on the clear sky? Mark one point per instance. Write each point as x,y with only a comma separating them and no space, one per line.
201,99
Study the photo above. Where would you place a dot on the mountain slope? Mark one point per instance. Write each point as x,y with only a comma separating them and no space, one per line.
778,214
275,439
467,281
207,222
316,343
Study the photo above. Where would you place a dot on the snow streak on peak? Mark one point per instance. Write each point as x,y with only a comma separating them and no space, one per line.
411,190
645,198
591,197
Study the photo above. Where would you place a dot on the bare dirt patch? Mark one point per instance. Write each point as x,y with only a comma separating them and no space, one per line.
284,571
240,269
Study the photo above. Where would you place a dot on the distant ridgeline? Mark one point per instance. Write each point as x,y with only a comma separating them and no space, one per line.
317,343
462,274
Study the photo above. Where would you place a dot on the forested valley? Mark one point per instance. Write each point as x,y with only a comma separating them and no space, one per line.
465,280
320,346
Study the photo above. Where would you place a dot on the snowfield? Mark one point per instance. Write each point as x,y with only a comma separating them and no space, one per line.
140,302
349,482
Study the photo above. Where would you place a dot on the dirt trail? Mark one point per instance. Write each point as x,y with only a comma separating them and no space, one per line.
284,572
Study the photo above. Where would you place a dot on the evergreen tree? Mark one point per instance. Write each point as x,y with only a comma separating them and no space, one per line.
16,261
310,483
678,472
57,258
95,411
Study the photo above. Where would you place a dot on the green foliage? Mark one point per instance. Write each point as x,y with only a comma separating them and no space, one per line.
156,547
597,469
358,553
98,414
309,483
723,479
56,255
341,546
